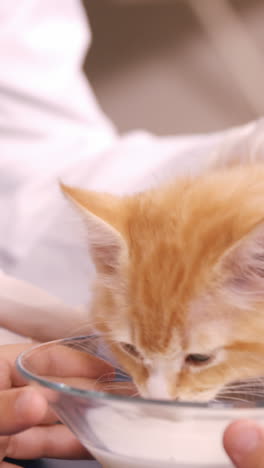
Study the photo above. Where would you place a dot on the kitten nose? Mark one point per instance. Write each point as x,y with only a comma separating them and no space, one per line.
157,387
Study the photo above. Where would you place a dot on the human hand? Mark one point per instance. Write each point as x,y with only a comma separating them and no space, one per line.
244,443
27,425
28,429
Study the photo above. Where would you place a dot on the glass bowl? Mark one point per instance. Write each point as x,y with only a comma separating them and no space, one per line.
124,431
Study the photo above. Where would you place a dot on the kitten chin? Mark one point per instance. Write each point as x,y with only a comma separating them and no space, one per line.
180,280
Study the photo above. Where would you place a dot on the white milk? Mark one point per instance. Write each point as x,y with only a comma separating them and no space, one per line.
109,460
132,439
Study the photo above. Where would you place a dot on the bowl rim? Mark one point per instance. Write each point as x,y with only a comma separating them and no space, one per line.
94,394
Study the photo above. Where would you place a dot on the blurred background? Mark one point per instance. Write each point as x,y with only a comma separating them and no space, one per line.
174,66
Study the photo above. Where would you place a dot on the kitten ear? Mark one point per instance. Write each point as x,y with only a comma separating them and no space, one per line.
242,268
100,213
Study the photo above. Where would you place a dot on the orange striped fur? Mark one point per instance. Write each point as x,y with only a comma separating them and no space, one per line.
180,271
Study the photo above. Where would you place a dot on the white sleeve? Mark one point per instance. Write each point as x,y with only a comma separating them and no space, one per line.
49,116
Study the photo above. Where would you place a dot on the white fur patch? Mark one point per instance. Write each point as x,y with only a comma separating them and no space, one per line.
121,334
157,386
161,374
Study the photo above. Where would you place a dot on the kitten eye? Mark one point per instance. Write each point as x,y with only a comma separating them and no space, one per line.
197,359
130,349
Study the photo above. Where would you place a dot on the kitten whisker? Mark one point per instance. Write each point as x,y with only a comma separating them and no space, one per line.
242,400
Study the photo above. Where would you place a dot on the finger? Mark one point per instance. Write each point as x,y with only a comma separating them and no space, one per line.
58,361
8,356
20,409
11,351
50,441
62,361
4,441
6,383
49,418
5,375
8,465
244,443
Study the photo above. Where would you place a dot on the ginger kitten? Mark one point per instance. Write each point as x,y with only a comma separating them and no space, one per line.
179,292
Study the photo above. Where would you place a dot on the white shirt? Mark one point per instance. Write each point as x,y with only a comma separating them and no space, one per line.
52,127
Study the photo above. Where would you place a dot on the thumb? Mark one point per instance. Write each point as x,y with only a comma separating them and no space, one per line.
244,443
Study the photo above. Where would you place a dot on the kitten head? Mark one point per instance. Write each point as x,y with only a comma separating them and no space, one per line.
179,290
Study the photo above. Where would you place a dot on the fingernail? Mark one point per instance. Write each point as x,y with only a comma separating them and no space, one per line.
244,440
